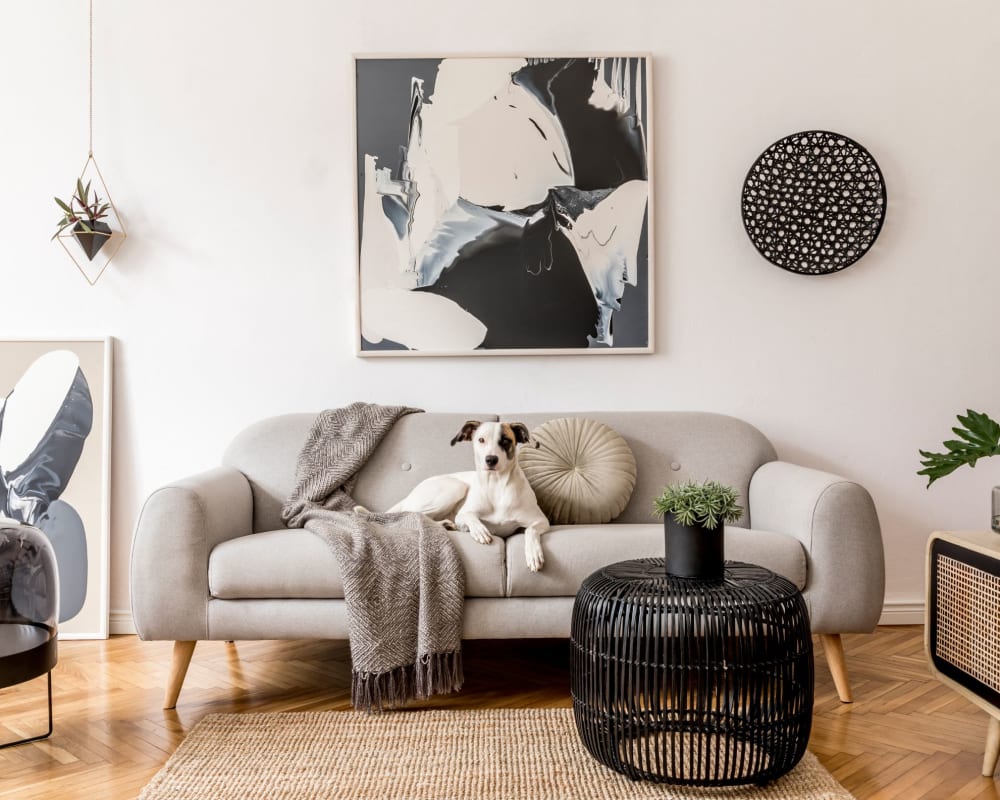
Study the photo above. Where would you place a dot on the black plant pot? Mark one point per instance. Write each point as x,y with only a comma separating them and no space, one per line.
92,242
693,551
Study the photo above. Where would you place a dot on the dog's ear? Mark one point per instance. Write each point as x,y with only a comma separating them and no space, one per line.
465,435
521,435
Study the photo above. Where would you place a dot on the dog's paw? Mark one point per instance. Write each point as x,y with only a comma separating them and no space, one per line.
449,525
533,555
480,533
361,510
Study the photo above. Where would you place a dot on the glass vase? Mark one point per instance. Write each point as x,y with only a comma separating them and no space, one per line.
995,515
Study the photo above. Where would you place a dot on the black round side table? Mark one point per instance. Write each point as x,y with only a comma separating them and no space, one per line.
689,681
29,609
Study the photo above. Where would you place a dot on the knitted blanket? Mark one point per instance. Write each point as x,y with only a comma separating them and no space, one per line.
404,584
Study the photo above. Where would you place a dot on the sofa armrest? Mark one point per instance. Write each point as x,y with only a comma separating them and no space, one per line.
836,522
177,529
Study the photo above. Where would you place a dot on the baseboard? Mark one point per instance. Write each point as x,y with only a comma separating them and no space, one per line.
897,613
121,622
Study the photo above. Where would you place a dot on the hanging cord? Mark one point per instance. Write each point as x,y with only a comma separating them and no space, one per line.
90,88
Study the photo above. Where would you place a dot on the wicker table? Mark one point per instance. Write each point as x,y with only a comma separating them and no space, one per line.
688,681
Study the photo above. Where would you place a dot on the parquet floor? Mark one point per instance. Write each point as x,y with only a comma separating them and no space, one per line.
905,737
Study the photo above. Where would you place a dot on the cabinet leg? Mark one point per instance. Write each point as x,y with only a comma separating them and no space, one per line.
992,747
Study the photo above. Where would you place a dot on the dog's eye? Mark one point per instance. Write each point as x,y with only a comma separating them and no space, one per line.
504,441
482,440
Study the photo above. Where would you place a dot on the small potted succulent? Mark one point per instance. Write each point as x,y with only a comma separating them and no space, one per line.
694,517
979,437
84,213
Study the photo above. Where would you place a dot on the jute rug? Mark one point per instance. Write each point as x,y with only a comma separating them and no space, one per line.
501,754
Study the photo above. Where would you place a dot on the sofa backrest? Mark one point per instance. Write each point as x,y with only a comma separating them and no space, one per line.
676,446
417,447
669,446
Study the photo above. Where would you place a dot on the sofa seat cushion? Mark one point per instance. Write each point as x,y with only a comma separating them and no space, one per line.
294,563
572,552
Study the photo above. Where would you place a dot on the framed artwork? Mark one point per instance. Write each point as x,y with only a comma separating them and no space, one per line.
503,205
55,432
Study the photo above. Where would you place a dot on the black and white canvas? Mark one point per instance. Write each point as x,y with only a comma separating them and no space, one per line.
55,406
503,205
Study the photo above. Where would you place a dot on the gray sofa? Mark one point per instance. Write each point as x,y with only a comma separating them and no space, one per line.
211,559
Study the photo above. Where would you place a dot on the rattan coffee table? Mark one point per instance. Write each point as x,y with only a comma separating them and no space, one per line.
688,681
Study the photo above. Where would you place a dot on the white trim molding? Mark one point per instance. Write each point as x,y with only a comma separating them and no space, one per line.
902,613
121,622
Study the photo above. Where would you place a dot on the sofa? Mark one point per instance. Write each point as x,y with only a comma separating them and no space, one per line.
211,559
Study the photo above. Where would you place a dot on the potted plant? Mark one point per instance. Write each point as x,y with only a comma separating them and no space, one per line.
84,214
694,517
979,437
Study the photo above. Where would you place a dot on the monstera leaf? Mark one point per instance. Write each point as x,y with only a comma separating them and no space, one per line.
979,437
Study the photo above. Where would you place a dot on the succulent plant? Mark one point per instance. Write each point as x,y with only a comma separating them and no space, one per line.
703,504
81,209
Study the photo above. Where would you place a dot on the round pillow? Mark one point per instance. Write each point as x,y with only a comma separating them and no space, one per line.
581,471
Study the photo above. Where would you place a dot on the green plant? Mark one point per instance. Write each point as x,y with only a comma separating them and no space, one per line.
81,209
979,437
704,504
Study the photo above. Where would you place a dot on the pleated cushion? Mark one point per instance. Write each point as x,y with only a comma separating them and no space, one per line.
582,471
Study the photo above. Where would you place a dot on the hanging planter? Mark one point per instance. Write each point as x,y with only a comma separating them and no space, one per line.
90,222
92,238
694,517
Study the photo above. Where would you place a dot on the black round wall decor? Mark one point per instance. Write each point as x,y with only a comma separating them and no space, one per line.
814,202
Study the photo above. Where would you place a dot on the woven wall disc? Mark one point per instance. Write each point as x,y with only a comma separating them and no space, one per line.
814,202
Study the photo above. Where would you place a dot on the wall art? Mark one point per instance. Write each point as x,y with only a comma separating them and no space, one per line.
814,202
503,205
55,428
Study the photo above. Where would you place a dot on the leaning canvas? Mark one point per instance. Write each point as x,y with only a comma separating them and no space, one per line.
503,205
55,415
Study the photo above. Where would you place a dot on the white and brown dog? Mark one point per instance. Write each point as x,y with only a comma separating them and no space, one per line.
495,498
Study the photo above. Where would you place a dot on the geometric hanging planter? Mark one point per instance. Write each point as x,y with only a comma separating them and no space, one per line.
90,230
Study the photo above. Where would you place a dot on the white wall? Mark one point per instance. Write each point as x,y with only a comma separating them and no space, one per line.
224,132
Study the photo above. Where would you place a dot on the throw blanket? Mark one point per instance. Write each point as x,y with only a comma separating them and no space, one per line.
404,584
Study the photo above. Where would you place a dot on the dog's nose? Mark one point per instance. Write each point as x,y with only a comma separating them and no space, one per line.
492,461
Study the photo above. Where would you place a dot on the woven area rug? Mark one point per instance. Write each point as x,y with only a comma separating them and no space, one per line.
501,754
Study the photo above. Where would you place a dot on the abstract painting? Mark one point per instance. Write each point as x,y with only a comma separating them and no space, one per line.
54,434
503,205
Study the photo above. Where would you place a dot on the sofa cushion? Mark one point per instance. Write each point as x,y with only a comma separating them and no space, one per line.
581,471
294,563
572,552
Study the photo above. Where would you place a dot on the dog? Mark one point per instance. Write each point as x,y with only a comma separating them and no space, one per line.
493,499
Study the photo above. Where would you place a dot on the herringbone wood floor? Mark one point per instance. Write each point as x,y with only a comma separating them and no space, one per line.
906,736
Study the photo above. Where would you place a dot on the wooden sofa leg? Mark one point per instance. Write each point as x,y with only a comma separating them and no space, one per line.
178,669
992,748
833,646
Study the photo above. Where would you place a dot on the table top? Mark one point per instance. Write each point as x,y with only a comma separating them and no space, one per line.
985,541
20,638
647,577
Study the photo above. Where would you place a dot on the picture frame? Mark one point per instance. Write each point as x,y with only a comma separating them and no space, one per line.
55,464
503,204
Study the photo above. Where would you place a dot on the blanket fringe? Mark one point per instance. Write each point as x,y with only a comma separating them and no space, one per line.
433,673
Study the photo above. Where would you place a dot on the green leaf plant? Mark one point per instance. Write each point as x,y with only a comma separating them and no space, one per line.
81,209
704,504
979,437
